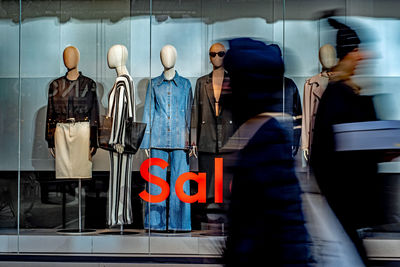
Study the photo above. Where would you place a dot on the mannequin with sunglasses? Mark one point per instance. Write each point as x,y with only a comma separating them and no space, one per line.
211,127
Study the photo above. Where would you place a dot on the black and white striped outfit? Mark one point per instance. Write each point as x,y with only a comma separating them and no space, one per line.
119,194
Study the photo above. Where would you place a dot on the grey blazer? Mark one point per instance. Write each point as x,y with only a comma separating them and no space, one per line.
208,131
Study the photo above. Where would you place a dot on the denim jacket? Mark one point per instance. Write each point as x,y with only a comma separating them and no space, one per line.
167,112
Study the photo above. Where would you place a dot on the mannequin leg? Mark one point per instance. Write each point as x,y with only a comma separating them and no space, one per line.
206,164
155,213
125,205
119,193
179,212
112,191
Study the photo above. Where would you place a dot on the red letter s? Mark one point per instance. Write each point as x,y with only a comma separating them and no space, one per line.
144,171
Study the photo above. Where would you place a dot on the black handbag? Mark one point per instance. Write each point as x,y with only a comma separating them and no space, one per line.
134,131
133,135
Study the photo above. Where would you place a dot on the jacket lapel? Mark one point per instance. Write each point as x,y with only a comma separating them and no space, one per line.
210,92
224,92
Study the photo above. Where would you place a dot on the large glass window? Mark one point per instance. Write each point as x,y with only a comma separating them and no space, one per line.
10,129
59,72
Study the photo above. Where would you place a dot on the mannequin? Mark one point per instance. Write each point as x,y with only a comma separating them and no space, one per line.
314,88
212,124
72,98
168,57
167,135
119,194
71,57
72,124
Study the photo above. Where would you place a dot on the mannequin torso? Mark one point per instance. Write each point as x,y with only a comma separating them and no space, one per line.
217,53
313,90
217,80
71,58
116,58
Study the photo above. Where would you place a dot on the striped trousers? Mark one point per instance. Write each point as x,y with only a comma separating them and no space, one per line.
119,192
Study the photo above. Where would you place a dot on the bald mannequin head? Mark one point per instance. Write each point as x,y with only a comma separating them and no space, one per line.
327,56
217,61
71,57
168,56
117,56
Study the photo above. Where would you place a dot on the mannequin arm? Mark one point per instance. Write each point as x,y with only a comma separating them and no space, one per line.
119,148
306,154
147,150
193,152
52,152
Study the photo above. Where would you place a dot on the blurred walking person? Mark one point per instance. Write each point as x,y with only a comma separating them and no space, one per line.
348,180
266,222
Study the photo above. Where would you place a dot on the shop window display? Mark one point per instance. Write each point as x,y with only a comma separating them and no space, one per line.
187,109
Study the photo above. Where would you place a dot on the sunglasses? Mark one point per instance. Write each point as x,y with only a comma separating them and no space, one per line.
214,54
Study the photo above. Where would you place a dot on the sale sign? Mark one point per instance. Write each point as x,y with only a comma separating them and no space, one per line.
200,178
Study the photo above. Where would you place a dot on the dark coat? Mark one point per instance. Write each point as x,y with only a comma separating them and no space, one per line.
293,108
210,132
347,179
266,222
267,226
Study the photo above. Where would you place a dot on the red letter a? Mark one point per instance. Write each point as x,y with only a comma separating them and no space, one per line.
144,171
201,181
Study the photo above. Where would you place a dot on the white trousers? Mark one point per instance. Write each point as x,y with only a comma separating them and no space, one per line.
72,147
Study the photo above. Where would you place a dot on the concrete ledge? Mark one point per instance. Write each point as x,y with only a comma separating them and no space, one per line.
43,241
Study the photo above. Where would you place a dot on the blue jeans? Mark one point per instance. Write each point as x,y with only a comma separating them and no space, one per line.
179,212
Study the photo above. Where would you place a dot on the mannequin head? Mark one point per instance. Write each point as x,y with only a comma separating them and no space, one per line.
168,56
216,60
327,56
117,56
71,57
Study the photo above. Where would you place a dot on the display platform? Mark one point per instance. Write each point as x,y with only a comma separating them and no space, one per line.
195,243
383,243
369,135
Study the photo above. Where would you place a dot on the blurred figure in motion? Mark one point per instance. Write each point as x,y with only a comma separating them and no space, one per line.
347,179
266,222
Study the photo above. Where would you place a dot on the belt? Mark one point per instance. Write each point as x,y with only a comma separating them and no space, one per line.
73,120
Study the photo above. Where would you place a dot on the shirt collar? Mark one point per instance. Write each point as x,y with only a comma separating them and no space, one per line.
175,79
80,75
